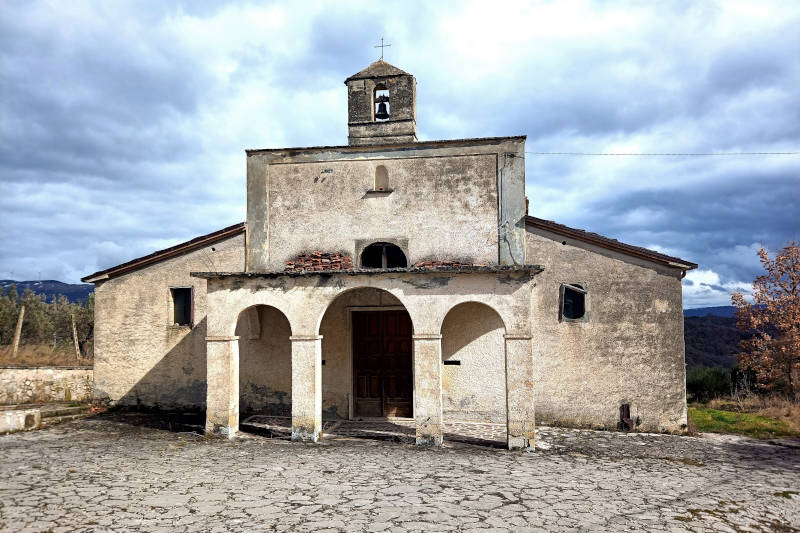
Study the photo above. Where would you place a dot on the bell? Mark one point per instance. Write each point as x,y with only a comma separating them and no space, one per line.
382,113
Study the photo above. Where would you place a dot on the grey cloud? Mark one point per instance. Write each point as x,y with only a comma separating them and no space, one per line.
116,139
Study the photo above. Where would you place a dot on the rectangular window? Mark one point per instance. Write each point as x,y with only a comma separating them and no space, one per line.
573,302
181,306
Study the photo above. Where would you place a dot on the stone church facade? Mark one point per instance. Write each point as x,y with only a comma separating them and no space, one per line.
396,278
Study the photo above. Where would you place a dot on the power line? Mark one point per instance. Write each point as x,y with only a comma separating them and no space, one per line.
666,153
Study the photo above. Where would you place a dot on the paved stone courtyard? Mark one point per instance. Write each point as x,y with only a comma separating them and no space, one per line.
130,472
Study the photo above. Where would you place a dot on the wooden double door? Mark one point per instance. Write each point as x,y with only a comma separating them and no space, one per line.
382,363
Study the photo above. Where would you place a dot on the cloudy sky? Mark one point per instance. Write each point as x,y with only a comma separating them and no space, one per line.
123,124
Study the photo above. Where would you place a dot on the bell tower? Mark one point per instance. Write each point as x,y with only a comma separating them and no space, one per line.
381,106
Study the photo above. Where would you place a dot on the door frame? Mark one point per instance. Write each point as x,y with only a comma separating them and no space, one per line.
351,402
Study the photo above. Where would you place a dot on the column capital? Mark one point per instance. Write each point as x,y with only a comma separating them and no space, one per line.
305,338
517,336
427,337
222,338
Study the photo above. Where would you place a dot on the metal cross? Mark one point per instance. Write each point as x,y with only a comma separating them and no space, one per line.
381,46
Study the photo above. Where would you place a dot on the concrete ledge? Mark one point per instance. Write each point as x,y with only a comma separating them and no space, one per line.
40,367
14,420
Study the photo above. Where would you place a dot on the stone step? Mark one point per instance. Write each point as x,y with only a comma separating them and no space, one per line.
53,420
60,411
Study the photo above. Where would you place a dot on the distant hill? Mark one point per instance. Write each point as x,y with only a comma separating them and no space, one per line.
723,310
75,292
711,341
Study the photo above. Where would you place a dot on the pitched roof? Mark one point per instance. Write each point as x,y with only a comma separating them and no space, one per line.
611,244
178,249
549,225
379,69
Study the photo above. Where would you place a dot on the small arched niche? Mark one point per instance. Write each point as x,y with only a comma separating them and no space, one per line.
381,178
382,109
383,255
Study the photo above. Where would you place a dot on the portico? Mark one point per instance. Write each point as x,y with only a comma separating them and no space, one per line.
426,294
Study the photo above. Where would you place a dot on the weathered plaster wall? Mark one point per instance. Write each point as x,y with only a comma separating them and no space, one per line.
336,328
325,206
629,350
475,390
139,357
444,201
19,385
265,362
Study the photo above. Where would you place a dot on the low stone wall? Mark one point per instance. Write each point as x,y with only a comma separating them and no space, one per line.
39,384
19,420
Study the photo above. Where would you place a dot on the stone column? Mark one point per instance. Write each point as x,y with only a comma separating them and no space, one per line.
519,391
222,378
306,387
428,388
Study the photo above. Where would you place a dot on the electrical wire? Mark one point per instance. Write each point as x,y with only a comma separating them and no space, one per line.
665,153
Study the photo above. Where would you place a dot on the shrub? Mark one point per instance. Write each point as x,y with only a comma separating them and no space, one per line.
704,383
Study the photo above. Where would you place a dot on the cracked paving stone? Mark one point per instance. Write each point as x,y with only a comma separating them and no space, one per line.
115,472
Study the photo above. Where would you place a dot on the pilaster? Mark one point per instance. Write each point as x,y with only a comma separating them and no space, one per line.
519,391
222,378
306,387
428,388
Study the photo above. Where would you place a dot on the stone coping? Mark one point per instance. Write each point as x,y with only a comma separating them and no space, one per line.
499,269
44,367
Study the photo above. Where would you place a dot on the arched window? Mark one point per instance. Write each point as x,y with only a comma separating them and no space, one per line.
381,178
381,102
383,255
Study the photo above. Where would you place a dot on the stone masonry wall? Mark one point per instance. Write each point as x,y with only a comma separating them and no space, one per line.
19,385
629,349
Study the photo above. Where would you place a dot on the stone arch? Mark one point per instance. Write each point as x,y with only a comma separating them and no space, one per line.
344,317
473,364
265,361
225,323
392,296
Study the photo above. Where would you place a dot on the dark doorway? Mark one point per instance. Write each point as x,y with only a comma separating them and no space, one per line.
382,363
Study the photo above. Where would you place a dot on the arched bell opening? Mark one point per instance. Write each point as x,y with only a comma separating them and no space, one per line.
265,362
473,365
381,103
367,356
383,255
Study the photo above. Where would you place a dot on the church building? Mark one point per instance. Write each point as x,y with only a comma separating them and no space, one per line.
396,278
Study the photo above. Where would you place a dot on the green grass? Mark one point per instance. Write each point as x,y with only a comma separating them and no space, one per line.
759,427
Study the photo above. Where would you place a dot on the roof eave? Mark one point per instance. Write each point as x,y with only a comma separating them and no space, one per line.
167,253
611,244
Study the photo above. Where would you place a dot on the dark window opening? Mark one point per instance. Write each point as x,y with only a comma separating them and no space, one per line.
383,255
182,306
452,362
381,97
573,301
